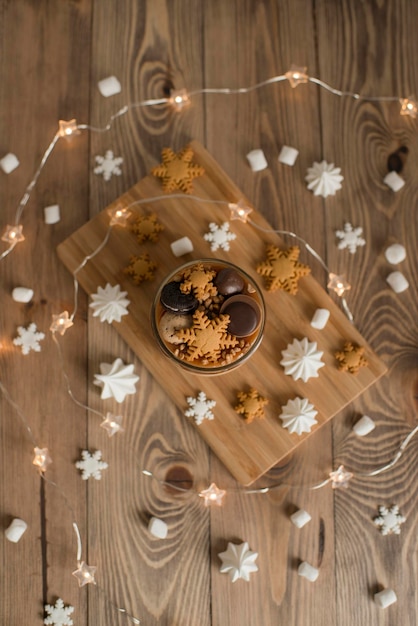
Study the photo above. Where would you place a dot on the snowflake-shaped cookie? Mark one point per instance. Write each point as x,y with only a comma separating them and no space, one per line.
198,280
238,561
109,303
28,338
177,170
350,238
141,268
206,338
147,228
389,520
351,358
251,405
219,236
59,615
108,165
200,408
298,416
91,465
282,269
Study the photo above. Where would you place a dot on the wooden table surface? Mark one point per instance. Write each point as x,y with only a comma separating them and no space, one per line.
53,53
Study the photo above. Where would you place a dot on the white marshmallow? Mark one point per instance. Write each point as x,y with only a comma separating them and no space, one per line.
364,426
385,598
15,530
9,163
158,528
300,518
397,281
395,254
22,294
394,181
308,571
109,86
181,246
320,319
52,214
257,160
288,155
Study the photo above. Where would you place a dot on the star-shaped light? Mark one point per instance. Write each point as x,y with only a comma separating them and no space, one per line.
41,459
340,477
68,129
212,495
119,216
60,323
179,99
112,424
338,284
409,106
13,234
85,574
297,75
239,211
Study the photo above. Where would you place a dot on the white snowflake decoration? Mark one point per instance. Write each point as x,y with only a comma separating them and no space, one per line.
219,236
350,238
389,520
108,165
302,359
324,179
91,465
29,339
109,303
238,561
59,614
200,408
298,416
117,380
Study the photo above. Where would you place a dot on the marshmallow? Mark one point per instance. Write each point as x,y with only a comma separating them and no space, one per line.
288,155
257,160
109,86
394,181
22,294
397,281
308,571
9,163
364,426
300,518
52,214
158,528
395,254
181,246
15,530
385,598
320,319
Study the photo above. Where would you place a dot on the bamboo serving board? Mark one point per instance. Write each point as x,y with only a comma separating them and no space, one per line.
247,450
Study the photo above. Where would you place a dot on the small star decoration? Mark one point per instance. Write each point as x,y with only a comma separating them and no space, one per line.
340,477
119,216
351,358
41,459
389,520
59,615
68,129
282,269
177,170
213,495
112,424
13,234
338,284
239,211
60,323
85,574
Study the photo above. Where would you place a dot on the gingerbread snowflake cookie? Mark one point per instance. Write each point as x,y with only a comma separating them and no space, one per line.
351,358
198,281
141,268
147,228
251,405
207,339
177,170
282,269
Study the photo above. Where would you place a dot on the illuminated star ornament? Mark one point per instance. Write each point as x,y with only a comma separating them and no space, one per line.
85,574
177,170
296,75
239,211
340,477
338,284
59,615
41,459
68,129
409,106
179,99
119,216
13,234
212,495
60,323
112,424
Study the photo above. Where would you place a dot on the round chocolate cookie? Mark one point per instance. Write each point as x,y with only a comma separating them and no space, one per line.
244,315
229,282
173,299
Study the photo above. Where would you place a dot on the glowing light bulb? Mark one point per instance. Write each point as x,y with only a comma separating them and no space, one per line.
338,284
13,234
212,495
239,211
297,75
340,478
60,323
119,215
409,106
68,129
112,424
179,99
85,574
41,459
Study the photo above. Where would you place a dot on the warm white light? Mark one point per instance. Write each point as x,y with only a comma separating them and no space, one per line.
67,129
85,574
60,323
212,495
179,99
338,284
297,75
119,216
41,459
112,424
409,106
13,234
239,211
340,478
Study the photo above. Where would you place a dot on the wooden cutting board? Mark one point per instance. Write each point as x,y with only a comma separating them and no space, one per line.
247,450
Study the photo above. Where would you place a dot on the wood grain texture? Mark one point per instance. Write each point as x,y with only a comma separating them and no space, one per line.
53,54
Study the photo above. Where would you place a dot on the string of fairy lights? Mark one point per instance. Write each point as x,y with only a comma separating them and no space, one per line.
13,235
